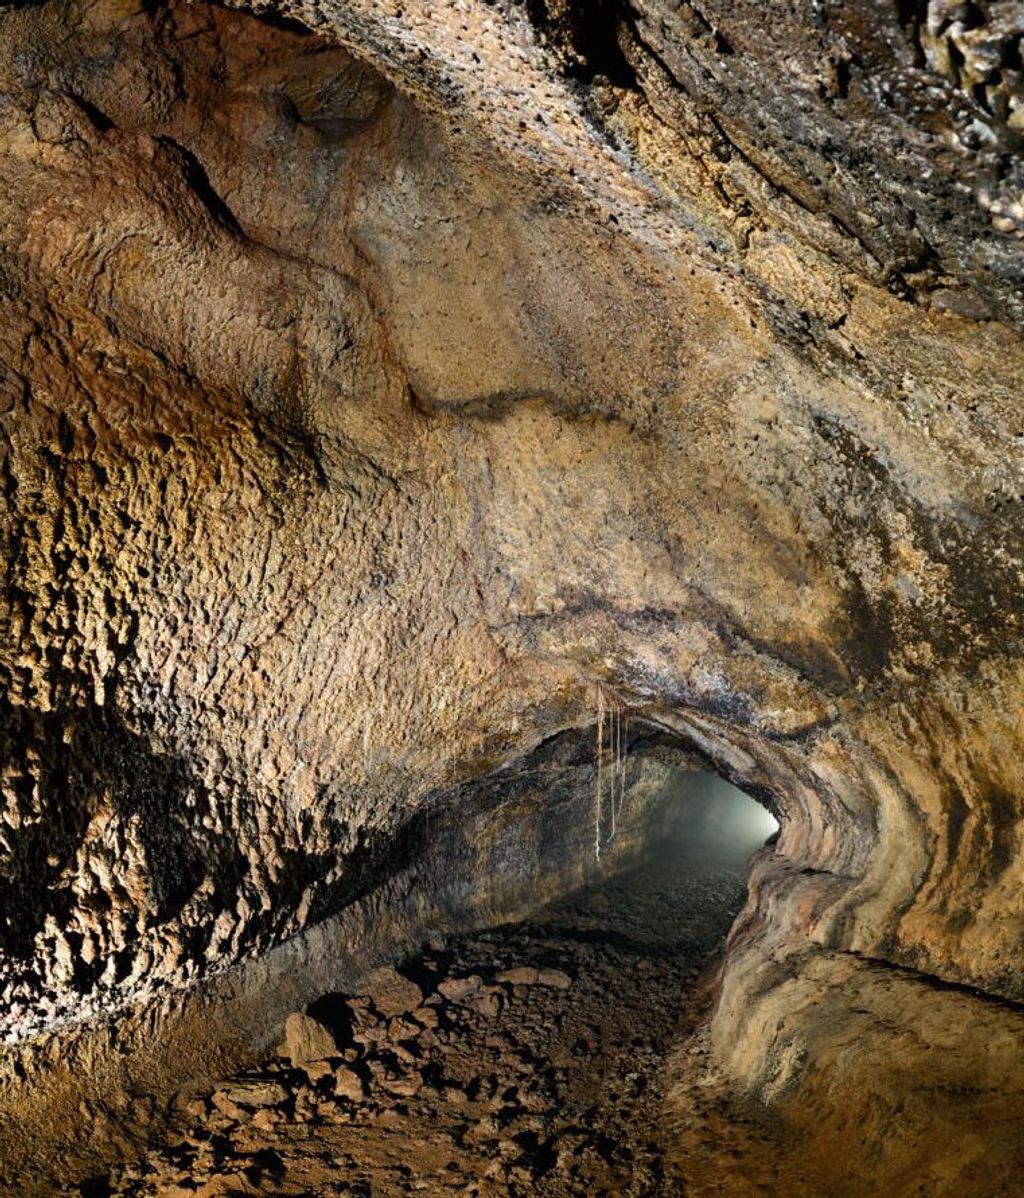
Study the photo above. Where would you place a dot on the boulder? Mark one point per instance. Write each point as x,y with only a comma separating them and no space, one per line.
391,993
306,1040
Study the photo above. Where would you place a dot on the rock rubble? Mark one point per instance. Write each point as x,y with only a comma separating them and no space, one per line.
517,1062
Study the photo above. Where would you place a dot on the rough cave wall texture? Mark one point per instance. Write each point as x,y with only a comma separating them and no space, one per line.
379,378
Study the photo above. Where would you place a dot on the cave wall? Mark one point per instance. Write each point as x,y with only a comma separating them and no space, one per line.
380,379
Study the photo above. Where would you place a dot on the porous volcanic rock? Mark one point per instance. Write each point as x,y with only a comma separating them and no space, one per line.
387,388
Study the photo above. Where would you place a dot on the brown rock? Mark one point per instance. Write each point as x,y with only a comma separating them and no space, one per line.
392,994
306,1040
265,1119
250,1094
404,1029
485,1002
405,1086
195,1108
227,1106
315,1070
521,975
459,989
370,1035
426,1017
555,978
349,1085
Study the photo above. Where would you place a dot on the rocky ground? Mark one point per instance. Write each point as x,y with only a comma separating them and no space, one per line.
524,1060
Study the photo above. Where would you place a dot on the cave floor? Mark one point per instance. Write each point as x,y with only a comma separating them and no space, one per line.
473,1080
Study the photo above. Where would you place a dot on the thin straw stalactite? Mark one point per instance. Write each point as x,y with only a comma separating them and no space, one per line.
618,779
599,798
616,786
610,708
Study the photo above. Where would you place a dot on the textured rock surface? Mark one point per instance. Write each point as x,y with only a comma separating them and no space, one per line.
372,396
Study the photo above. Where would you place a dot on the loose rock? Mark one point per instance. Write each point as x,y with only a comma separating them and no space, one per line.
306,1040
392,994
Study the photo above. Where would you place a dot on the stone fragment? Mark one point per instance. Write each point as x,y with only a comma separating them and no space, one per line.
348,1084
195,1108
521,975
252,1094
485,1002
265,1119
306,1040
370,1035
404,1029
227,1106
392,994
459,989
406,1086
316,1070
554,977
388,1117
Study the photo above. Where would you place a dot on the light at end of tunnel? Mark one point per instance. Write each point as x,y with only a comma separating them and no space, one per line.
755,822
724,818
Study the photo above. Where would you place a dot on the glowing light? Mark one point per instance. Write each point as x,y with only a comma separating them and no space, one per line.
719,819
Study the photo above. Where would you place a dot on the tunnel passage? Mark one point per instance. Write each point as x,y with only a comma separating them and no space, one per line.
513,853
523,1058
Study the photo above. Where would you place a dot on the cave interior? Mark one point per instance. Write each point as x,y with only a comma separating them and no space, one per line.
513,612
